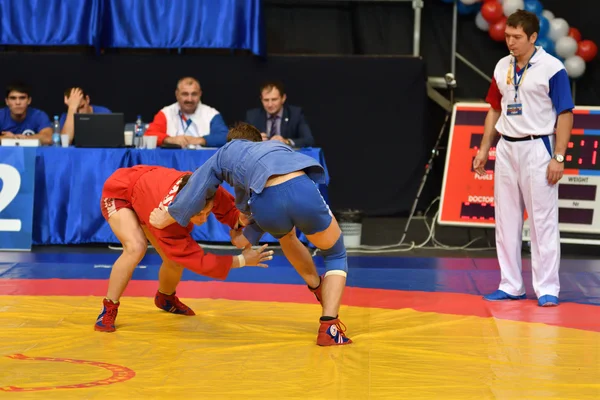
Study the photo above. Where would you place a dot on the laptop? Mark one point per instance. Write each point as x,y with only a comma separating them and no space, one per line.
99,130
8,142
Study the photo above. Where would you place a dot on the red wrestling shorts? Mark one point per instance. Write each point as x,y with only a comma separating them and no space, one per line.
110,206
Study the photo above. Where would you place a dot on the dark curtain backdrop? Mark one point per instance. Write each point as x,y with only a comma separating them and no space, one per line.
368,120
353,27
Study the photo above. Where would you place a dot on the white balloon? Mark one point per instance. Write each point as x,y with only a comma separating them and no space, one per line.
469,2
558,28
511,6
549,15
566,47
575,66
481,22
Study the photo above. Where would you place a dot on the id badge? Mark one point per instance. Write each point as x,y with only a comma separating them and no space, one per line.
514,109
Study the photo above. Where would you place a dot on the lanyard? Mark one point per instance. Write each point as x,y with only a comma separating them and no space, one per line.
516,80
183,119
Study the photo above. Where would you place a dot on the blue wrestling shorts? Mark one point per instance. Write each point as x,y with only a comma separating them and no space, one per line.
294,203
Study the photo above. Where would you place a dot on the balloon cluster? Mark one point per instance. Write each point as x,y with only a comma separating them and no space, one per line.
555,36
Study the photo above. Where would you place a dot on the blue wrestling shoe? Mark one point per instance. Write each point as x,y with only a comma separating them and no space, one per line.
500,295
548,300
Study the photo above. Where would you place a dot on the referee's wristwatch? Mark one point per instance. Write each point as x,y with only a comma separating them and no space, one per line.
559,157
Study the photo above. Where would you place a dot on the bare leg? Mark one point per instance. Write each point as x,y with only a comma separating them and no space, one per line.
300,258
169,277
126,227
333,284
170,273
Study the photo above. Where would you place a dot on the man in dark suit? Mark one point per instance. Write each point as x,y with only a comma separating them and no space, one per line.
279,121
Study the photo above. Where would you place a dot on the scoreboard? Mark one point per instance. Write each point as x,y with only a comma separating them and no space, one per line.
467,199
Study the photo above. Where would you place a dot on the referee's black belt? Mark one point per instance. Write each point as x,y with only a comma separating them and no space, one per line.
521,139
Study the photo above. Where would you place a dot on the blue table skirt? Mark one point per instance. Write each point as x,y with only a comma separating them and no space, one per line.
68,186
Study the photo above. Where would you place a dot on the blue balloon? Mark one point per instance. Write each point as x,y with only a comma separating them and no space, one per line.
544,26
464,9
534,6
546,43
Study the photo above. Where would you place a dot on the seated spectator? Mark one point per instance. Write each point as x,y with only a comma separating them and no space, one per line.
19,121
188,121
279,121
77,102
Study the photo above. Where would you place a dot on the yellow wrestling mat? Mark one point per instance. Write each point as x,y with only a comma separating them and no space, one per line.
262,350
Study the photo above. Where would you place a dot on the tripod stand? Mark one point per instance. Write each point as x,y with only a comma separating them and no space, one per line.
451,85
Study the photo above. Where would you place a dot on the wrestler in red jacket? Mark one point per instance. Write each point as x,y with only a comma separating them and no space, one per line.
128,197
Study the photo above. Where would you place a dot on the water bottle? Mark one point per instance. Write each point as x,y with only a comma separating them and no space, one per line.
138,132
56,132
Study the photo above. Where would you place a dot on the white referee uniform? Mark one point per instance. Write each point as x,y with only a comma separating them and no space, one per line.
528,117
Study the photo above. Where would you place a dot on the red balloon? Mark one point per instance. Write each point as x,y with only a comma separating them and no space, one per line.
492,11
496,30
587,50
575,34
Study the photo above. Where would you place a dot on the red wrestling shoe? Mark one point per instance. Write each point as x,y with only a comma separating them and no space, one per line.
171,303
332,333
106,319
317,290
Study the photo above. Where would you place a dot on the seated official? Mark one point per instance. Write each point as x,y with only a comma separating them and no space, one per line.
279,121
77,102
19,121
188,121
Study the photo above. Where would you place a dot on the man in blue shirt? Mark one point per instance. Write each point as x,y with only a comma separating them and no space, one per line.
277,186
19,121
77,102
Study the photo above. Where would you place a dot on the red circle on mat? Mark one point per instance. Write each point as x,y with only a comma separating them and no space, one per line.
119,374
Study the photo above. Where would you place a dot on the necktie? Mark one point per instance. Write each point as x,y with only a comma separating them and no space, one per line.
274,131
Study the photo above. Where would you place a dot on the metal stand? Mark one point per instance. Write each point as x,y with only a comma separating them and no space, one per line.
434,82
417,6
451,85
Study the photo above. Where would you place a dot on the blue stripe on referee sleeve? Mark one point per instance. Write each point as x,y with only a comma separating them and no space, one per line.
560,92
218,132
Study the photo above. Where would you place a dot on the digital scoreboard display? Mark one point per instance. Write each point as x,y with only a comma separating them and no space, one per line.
468,199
